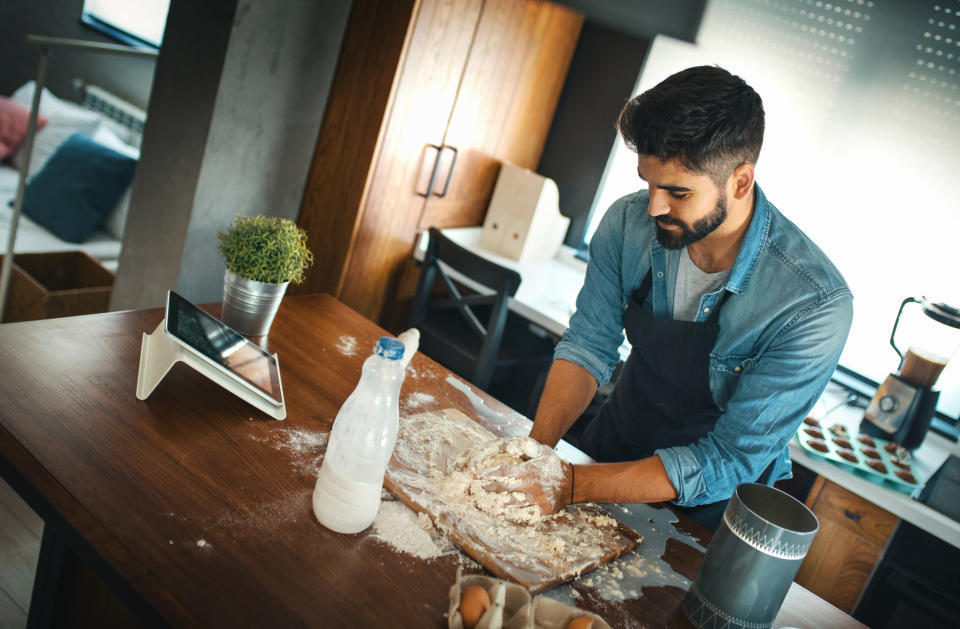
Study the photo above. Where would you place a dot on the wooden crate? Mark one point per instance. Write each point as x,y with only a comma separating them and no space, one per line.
56,284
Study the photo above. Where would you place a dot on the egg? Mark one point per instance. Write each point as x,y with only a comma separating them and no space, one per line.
581,622
474,600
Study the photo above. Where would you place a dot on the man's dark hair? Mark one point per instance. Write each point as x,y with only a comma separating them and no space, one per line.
707,118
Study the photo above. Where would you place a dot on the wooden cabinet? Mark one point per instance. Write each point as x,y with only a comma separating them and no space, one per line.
853,533
419,82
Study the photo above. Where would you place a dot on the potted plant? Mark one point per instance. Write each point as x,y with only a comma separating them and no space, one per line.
262,255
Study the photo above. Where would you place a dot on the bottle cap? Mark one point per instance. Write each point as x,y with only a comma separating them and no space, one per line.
389,348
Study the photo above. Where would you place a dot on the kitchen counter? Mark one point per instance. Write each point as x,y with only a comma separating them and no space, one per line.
927,459
194,508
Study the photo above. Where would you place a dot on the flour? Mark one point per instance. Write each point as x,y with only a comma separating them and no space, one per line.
403,529
505,465
506,425
429,470
347,345
273,515
625,578
305,447
416,401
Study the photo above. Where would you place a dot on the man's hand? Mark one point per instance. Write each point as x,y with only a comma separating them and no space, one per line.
519,479
550,494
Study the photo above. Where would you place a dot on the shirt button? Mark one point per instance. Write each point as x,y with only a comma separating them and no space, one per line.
706,309
659,273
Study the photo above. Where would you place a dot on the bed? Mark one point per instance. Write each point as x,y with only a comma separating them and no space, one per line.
104,120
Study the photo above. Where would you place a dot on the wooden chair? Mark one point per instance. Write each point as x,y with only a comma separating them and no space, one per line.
472,334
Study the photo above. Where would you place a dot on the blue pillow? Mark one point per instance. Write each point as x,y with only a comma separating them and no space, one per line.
78,187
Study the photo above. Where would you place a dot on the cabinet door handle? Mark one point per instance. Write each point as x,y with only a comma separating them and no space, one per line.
852,515
433,173
453,162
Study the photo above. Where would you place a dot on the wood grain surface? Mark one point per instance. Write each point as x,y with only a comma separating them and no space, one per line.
202,505
853,533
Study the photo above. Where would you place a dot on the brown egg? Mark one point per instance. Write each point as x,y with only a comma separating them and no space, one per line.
581,622
473,602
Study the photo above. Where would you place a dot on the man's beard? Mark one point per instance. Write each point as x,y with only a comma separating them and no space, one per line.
686,236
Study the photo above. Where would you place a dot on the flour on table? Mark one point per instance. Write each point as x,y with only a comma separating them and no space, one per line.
347,345
406,531
417,400
512,424
624,578
422,372
305,447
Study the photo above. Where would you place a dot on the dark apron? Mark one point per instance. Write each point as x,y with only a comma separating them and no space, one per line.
663,396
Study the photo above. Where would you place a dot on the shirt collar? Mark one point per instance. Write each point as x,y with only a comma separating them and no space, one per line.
753,243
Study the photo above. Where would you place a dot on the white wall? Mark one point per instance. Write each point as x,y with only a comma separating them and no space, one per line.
862,146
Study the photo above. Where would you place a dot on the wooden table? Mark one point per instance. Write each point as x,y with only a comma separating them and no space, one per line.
195,508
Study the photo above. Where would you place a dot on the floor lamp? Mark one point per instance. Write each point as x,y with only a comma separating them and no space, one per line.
47,44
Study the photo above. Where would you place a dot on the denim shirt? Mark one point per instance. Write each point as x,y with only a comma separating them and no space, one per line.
782,329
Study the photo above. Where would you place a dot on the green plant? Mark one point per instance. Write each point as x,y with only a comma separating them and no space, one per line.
265,249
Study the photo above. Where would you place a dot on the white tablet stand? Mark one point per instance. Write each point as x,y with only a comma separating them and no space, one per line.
158,353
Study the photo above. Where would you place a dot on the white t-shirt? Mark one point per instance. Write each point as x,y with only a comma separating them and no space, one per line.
692,284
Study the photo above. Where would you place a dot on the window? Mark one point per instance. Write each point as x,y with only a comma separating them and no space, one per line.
862,146
134,22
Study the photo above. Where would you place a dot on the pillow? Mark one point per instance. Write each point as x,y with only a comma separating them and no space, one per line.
14,119
63,120
53,107
116,221
77,188
50,105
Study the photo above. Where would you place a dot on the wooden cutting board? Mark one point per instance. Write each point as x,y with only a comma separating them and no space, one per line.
579,539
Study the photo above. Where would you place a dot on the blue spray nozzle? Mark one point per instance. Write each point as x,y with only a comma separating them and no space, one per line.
389,348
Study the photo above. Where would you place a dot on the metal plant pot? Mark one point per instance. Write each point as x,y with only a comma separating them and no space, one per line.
249,306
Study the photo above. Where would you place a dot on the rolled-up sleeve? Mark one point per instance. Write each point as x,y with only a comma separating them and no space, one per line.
596,328
770,402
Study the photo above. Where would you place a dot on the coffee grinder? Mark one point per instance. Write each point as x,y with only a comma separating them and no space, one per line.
904,405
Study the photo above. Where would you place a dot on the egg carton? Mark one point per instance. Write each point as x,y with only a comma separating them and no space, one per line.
877,458
512,607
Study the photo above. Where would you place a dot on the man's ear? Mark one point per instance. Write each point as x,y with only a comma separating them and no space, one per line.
741,181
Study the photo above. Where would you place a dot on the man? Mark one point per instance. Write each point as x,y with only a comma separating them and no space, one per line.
736,319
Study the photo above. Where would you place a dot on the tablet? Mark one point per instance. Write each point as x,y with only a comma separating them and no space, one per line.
224,348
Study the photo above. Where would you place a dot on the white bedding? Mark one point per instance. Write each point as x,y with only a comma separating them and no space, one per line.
34,238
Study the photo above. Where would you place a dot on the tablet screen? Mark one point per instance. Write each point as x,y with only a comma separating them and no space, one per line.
223,345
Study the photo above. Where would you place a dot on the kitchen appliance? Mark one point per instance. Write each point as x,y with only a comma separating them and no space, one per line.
903,406
752,559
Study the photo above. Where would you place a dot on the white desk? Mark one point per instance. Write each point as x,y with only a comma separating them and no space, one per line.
548,289
547,296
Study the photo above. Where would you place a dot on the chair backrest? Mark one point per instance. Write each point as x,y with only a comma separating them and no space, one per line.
503,283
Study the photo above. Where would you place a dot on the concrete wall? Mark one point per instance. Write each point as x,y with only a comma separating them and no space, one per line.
237,103
128,78
179,117
269,107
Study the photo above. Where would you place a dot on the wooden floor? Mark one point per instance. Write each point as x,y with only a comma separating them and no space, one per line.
20,530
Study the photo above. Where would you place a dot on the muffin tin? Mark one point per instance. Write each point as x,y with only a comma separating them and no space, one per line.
874,457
